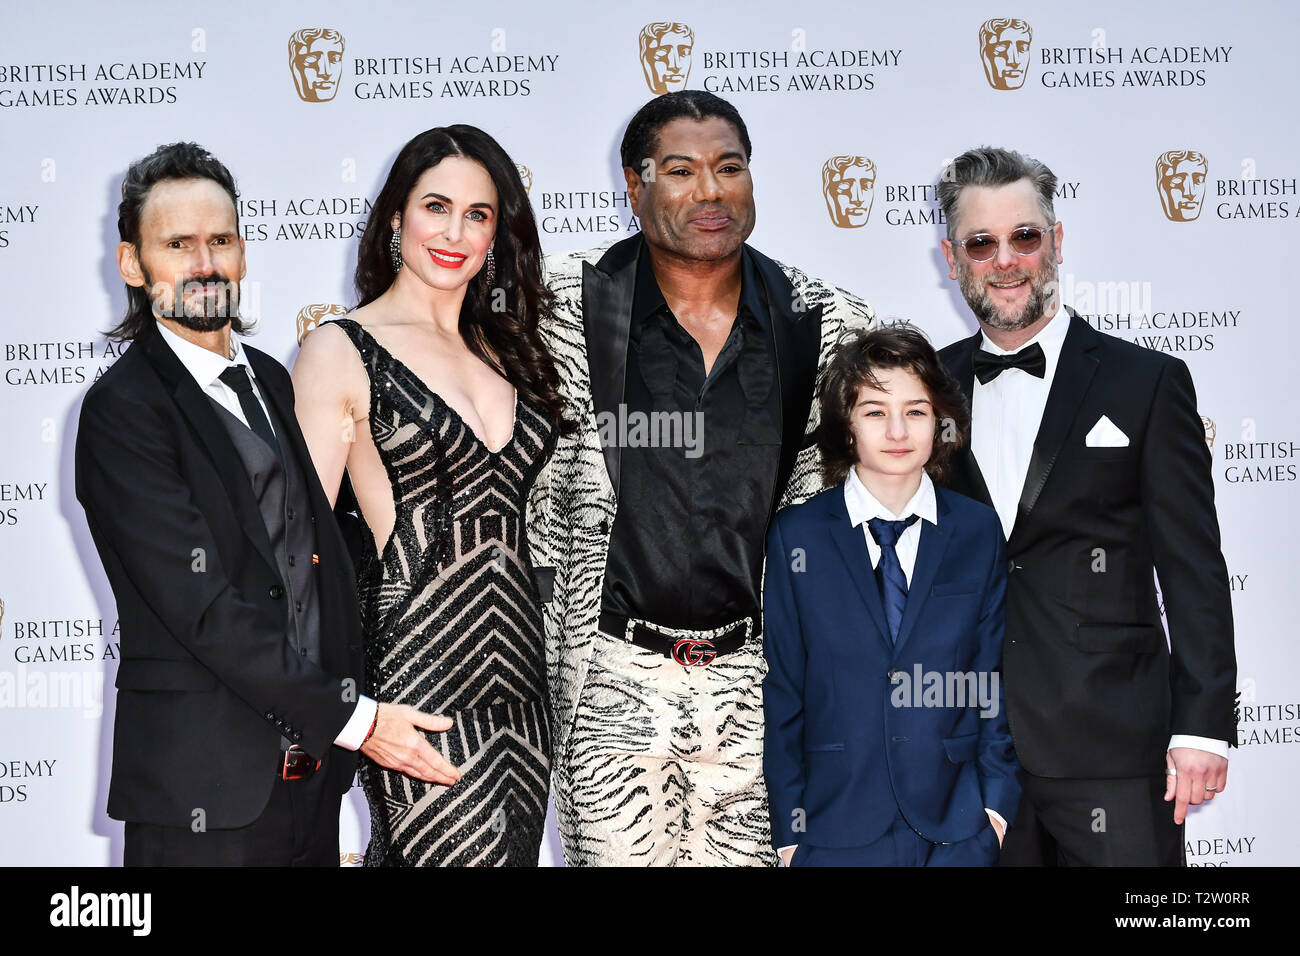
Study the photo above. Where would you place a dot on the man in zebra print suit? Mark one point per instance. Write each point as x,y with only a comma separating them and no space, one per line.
689,360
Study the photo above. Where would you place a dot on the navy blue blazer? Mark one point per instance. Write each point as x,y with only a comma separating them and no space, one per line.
855,729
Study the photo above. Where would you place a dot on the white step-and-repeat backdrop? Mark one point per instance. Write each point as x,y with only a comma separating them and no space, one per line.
1173,132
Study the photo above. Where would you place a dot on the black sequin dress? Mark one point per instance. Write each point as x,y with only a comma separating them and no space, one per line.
453,626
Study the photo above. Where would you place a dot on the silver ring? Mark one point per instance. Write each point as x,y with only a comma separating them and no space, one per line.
1211,789
1171,772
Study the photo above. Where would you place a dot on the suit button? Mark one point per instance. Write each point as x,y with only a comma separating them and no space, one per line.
275,592
302,651
291,514
603,527
1011,566
291,560
895,676
298,606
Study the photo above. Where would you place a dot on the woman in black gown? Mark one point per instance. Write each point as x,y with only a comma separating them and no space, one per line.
438,397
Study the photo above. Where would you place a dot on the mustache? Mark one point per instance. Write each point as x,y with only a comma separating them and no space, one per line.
214,278
708,211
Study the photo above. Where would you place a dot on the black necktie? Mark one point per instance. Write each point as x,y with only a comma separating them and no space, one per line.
889,573
989,366
237,378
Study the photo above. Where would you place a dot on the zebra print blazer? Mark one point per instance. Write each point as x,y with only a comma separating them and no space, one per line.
572,504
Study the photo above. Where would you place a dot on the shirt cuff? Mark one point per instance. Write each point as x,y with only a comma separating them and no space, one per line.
1208,744
353,734
782,849
997,816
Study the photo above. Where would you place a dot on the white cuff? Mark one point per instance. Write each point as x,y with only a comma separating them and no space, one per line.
1208,744
353,734
997,816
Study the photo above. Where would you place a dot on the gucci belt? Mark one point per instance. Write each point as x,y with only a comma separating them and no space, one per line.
691,648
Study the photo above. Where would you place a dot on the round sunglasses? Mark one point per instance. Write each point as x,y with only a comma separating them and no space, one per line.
983,246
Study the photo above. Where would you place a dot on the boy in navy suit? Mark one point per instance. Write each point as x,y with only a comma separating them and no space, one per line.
887,741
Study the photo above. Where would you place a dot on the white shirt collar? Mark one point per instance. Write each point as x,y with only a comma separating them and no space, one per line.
863,505
1051,337
205,366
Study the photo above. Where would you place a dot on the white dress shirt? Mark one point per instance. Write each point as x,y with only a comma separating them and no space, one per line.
862,506
1005,415
206,368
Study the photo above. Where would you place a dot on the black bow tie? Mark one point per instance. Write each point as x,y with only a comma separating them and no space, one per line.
989,366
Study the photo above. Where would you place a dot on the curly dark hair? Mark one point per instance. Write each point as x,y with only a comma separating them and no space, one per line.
858,356
174,161
508,341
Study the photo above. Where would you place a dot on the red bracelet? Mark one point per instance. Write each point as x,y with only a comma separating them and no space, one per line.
371,732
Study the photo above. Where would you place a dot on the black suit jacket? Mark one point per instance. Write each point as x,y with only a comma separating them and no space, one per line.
1093,689
208,681
608,288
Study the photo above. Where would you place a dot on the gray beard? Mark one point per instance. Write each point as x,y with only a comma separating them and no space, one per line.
1041,291
988,313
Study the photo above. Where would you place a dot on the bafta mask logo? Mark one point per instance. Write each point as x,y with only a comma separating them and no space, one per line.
849,185
1004,51
1209,430
316,62
310,316
525,176
666,56
1180,180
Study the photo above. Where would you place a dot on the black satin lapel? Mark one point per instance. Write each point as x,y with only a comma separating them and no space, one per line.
970,479
197,408
797,339
606,319
1074,372
975,485
289,438
934,545
853,549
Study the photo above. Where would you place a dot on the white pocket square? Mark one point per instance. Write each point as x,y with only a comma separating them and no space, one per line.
1104,434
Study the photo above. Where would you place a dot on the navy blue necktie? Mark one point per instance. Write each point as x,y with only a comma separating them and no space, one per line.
889,573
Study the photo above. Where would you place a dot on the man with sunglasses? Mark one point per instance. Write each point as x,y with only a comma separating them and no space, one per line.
1093,454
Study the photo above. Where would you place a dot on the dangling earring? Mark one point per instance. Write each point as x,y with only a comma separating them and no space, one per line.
490,268
395,248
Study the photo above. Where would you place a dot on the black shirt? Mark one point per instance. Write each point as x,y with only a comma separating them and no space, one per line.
686,549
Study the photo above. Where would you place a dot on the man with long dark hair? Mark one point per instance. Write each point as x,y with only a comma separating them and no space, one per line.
690,359
238,703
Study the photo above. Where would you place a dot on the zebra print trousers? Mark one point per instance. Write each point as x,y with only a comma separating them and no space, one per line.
664,764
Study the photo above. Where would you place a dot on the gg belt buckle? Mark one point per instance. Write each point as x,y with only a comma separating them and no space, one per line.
693,652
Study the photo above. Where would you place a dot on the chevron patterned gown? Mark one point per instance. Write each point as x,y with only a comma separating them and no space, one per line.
453,627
